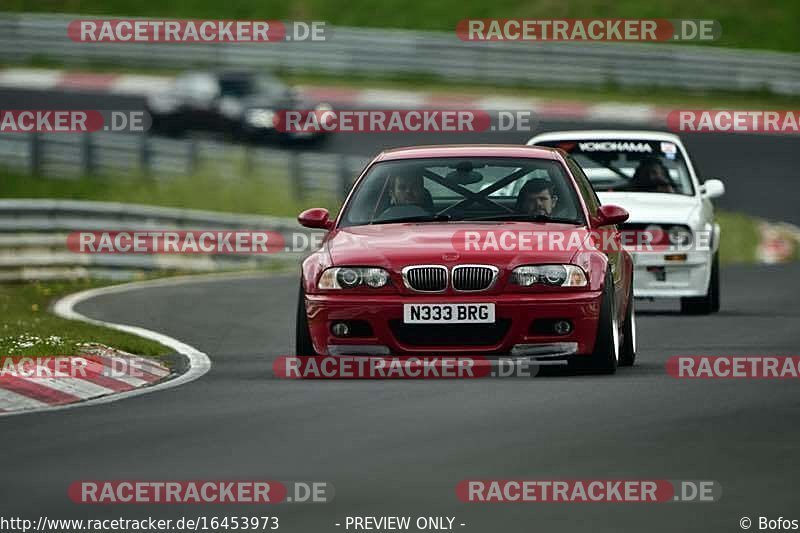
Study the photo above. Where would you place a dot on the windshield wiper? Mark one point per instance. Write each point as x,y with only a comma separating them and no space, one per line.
417,218
526,218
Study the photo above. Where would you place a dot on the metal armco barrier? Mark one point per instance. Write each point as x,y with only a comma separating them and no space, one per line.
114,154
33,239
440,54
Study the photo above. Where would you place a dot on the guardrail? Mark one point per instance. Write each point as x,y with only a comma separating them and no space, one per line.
304,173
24,37
33,239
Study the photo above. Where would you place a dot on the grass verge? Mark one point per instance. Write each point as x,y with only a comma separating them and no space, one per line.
29,328
202,191
739,237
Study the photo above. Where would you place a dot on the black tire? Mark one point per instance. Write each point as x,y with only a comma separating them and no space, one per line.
302,345
166,125
627,350
604,358
715,284
704,305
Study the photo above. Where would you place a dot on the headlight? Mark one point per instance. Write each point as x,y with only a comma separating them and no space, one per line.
680,236
352,277
260,118
552,275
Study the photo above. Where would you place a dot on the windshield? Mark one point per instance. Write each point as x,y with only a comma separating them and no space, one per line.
459,189
630,165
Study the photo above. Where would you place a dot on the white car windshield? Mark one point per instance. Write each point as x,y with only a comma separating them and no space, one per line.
630,165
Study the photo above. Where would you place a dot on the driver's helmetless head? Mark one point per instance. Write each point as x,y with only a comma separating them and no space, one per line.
407,190
653,171
537,198
652,175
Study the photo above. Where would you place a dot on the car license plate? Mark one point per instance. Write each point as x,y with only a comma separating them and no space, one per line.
448,313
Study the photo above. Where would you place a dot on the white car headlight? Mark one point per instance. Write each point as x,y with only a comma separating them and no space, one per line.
352,277
260,118
552,275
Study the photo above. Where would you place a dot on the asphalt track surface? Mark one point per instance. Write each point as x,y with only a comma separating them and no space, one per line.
761,172
400,447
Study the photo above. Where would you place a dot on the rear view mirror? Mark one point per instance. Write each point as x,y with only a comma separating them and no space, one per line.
465,177
464,174
713,188
316,218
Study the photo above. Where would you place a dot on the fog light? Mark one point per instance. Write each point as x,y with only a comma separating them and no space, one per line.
562,327
340,329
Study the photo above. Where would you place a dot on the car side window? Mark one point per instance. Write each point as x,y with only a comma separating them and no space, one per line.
589,196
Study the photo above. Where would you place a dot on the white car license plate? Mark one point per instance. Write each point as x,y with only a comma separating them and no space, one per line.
448,313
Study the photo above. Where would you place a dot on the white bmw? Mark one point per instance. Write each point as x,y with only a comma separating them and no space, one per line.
651,175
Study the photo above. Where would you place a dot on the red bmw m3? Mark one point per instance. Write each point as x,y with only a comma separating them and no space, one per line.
466,250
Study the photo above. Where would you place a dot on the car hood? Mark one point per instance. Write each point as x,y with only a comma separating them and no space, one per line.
394,246
646,207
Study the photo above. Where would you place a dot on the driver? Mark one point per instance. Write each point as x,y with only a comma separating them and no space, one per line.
409,190
537,198
651,176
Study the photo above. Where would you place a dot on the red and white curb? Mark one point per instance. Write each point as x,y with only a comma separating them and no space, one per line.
142,85
21,393
45,79
542,108
778,243
61,393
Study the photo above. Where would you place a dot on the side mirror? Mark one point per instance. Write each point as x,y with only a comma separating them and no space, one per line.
609,215
712,188
316,218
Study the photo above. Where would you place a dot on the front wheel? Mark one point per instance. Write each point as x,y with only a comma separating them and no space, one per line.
627,354
168,125
303,344
605,357
709,303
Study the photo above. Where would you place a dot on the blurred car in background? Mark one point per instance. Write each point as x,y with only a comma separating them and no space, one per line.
239,104
651,175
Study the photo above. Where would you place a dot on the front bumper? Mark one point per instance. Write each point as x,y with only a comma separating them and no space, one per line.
657,276
512,334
